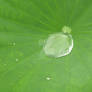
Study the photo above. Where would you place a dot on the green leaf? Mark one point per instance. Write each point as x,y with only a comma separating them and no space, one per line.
24,25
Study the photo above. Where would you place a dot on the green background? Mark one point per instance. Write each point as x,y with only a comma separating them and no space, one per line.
24,25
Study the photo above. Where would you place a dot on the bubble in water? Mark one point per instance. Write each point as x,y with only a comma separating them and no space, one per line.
59,44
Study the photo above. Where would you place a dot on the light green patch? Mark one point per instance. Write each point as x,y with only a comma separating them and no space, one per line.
28,23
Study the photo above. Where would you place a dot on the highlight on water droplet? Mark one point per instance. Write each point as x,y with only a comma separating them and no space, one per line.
59,44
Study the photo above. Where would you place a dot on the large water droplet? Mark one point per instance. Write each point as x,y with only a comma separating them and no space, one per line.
59,44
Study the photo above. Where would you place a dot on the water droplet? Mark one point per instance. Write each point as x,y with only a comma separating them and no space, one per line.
59,44
66,29
5,64
14,43
48,78
17,59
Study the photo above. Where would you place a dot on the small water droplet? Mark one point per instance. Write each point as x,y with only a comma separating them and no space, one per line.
48,78
14,43
5,64
59,44
66,29
17,59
